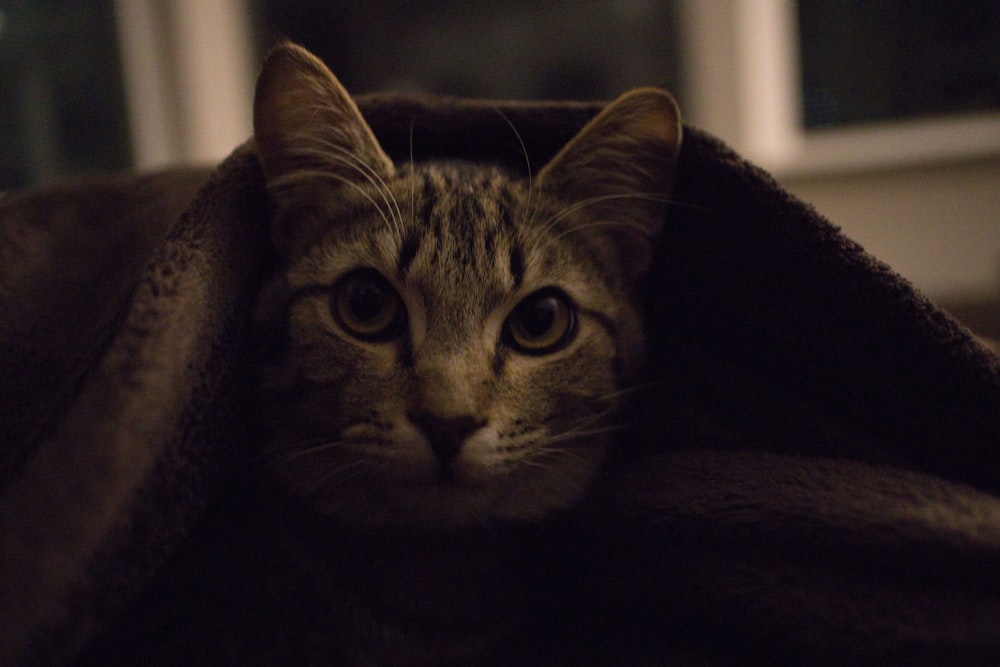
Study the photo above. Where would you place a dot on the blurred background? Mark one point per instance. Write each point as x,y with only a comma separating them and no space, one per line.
884,114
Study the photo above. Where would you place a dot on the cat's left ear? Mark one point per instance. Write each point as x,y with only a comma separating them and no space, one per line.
619,170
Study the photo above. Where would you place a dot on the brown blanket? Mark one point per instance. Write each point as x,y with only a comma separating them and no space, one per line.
817,479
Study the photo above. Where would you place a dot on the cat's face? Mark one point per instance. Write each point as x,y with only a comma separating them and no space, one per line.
455,343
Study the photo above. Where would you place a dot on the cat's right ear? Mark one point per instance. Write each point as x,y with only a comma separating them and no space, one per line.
311,140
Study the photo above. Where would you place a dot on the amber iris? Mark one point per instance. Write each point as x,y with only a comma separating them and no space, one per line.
542,323
366,306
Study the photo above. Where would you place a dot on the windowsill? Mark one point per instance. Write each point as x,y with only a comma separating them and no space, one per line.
884,146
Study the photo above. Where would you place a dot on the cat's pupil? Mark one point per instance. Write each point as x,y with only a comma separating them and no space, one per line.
542,323
366,306
537,317
367,300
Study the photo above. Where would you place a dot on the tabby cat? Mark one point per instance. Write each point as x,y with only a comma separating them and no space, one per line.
450,342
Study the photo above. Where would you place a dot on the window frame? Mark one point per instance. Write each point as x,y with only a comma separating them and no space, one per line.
741,61
188,69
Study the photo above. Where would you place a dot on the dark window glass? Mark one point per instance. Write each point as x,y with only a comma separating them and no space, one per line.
522,49
890,60
62,106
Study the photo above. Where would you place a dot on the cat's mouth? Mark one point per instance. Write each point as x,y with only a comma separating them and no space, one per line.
451,475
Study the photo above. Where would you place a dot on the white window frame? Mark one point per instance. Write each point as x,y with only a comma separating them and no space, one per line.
188,68
743,84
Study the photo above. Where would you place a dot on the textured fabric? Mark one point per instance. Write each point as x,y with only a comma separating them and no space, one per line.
813,478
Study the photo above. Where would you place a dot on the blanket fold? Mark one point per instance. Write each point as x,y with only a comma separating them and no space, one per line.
763,287
69,257
813,479
805,561
151,427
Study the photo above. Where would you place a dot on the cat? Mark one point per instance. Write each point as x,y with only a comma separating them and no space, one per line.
449,345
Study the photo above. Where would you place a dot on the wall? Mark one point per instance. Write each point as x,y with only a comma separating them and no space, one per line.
938,225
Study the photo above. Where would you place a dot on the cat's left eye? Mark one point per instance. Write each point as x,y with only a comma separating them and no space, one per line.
542,323
367,307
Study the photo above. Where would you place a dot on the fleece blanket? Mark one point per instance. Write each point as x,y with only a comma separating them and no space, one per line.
815,478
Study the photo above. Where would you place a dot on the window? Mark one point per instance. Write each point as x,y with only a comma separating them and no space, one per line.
558,49
63,104
897,60
829,85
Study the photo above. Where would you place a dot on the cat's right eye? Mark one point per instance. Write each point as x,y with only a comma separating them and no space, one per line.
367,307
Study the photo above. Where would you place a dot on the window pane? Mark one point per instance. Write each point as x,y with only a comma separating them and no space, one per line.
889,60
520,49
62,106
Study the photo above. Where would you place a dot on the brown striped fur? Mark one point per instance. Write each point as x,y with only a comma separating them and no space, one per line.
358,424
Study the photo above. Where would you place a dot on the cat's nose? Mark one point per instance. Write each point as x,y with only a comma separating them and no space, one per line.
446,434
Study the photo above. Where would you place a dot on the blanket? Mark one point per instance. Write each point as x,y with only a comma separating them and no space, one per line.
815,478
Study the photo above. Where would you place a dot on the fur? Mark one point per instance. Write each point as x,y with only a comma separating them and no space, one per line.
461,246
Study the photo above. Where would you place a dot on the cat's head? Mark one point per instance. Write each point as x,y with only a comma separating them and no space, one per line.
456,342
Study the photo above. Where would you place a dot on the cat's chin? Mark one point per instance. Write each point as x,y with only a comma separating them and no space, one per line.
446,502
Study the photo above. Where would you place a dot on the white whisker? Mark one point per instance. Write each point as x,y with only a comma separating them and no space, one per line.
311,175
275,456
544,229
598,223
322,485
581,434
413,186
528,213
591,201
320,150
